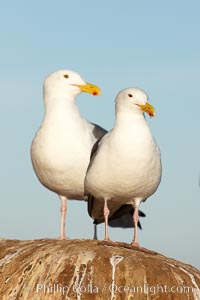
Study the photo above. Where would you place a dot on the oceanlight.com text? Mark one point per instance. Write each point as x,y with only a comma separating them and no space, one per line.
58,288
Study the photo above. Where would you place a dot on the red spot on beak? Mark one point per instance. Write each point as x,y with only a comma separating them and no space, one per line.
95,93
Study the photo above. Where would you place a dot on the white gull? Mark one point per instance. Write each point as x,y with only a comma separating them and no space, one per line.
60,151
125,165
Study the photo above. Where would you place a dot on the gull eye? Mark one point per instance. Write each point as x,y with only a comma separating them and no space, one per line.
130,95
66,76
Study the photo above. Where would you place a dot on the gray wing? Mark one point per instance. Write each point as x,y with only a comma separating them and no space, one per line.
98,131
87,196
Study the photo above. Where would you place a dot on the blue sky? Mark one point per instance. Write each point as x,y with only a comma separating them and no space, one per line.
153,45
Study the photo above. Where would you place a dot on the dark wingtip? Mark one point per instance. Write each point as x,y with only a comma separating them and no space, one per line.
122,218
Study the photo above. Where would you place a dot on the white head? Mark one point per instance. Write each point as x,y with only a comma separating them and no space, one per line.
65,83
134,100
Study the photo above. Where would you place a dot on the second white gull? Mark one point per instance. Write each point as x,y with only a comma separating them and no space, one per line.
125,166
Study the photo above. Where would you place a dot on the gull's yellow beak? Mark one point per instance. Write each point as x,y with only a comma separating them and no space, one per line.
90,88
147,108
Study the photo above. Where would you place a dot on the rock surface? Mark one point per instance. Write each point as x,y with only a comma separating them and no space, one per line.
85,269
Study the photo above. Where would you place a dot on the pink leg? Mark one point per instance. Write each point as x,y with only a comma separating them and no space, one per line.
135,220
63,210
106,214
95,232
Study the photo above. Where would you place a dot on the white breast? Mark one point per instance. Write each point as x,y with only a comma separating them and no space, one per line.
60,154
127,166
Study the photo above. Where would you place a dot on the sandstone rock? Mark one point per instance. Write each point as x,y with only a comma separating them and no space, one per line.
85,269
